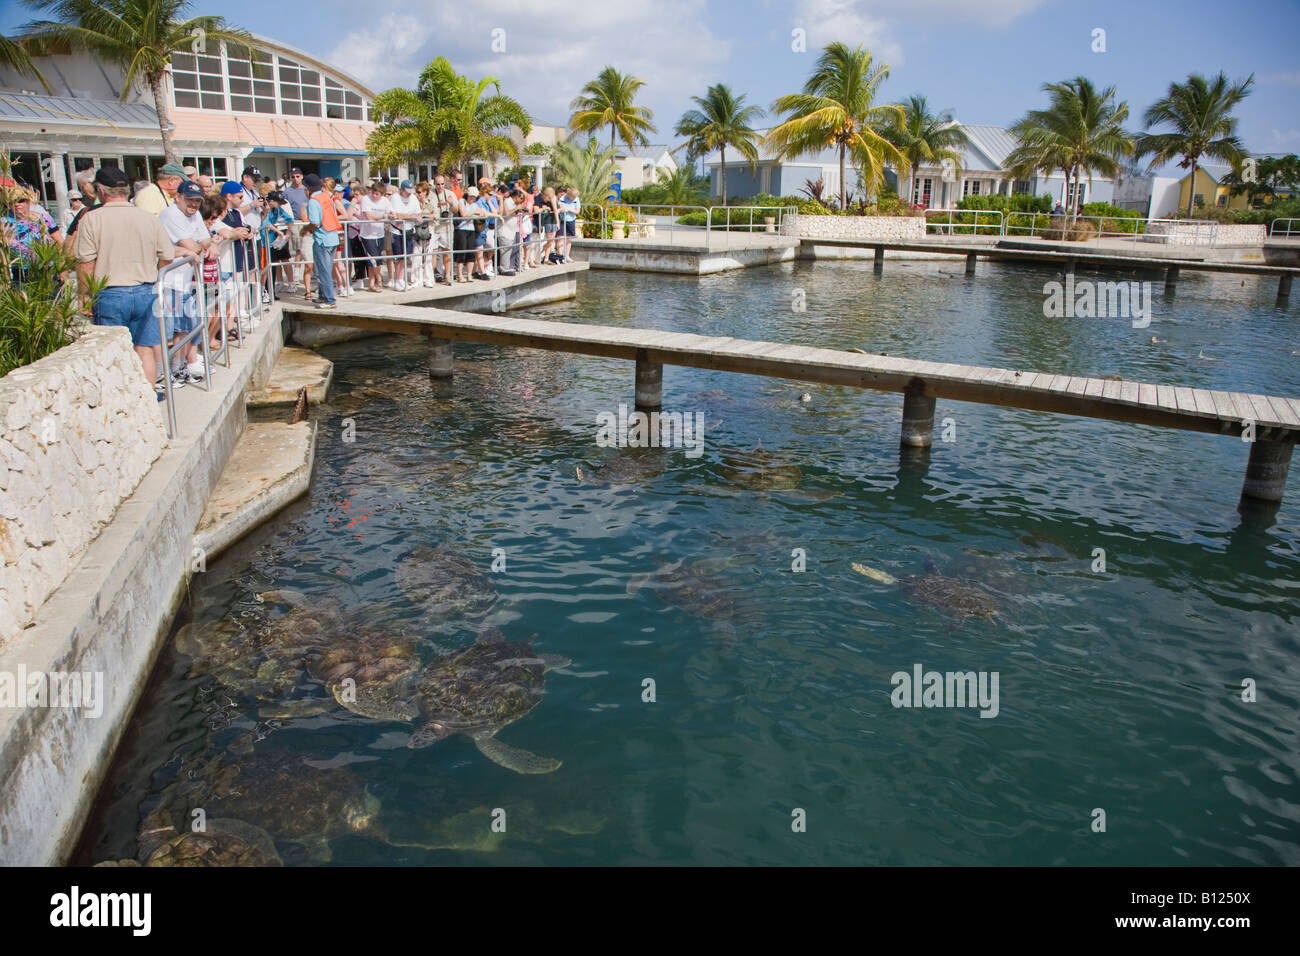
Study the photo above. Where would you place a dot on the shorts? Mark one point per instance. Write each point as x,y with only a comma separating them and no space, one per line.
305,241
181,310
374,249
135,307
279,255
569,228
403,243
464,244
480,239
442,236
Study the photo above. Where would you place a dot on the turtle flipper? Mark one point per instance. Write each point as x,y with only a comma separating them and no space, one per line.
552,661
512,758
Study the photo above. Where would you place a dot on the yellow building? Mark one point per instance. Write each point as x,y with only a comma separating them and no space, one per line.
1208,191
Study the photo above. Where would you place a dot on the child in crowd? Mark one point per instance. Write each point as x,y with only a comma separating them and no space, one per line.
569,208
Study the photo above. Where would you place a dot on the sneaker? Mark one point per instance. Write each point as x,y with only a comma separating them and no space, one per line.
506,272
266,298
180,379
326,305
401,285
196,371
430,283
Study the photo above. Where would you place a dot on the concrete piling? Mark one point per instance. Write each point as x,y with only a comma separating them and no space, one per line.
440,358
1284,287
880,259
970,264
649,383
918,420
1267,469
1171,280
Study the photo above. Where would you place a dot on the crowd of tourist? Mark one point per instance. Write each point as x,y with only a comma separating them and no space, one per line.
310,235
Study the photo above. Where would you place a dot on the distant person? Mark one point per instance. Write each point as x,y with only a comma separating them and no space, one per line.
404,207
207,184
569,209
372,208
126,246
75,205
325,226
157,196
186,230
1058,210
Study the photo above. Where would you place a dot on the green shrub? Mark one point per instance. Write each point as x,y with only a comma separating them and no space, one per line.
1114,218
1020,202
592,227
41,315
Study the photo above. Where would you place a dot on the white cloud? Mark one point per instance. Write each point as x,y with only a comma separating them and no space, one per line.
849,22
550,50
1287,136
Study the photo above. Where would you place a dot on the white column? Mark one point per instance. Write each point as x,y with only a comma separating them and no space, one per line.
58,169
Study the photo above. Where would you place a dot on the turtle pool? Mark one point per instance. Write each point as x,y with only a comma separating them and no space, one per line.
723,654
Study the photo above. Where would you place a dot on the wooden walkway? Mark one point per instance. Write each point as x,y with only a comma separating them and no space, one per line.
1275,420
1070,260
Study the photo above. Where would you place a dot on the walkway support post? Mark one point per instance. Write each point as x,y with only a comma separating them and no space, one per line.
1171,280
1284,287
880,259
1267,469
440,358
649,383
918,418
970,264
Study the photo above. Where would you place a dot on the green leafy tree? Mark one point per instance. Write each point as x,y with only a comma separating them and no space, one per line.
447,118
838,108
607,101
1081,131
587,168
681,187
139,36
924,137
722,120
1200,114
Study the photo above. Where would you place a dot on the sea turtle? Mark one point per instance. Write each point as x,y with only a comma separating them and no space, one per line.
634,466
479,690
760,470
959,598
222,842
370,673
692,587
294,801
444,582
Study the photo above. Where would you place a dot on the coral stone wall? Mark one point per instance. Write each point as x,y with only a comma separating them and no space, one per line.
1194,234
900,228
78,431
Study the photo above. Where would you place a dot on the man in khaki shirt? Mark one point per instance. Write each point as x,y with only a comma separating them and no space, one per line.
125,246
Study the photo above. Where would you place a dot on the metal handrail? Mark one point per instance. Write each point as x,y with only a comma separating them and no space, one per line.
780,212
1272,228
246,281
974,225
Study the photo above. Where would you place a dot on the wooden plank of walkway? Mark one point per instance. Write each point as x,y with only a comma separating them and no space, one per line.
1082,257
1190,409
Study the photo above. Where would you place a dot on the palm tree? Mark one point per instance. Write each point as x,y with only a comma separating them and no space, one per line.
1081,131
607,101
722,120
681,186
1200,112
837,108
923,137
14,55
446,118
588,168
140,36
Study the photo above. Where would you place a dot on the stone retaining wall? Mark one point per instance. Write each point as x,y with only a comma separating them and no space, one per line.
78,431
1191,234
900,228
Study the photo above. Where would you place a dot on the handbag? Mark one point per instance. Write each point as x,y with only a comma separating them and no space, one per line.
423,233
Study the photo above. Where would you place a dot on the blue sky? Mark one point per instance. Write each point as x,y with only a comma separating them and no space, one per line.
984,59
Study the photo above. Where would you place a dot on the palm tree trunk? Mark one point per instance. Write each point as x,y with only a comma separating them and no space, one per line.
722,173
1191,189
164,124
844,183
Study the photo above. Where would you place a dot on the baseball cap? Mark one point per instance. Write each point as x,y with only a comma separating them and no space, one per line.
74,195
312,182
111,176
407,184
189,190
230,187
294,170
472,192
338,187
191,170
251,171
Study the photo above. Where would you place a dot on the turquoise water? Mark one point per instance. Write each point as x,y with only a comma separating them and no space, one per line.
1118,690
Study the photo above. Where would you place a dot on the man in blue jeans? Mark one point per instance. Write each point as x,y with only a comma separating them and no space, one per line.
125,246
325,239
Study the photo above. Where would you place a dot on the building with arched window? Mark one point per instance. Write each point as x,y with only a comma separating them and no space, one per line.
269,106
